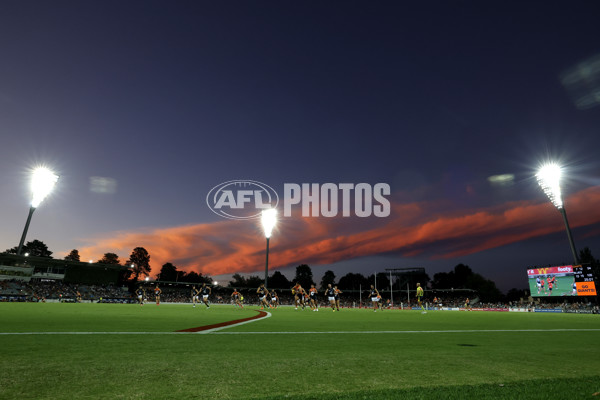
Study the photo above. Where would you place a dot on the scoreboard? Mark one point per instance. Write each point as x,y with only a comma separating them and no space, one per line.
565,280
584,280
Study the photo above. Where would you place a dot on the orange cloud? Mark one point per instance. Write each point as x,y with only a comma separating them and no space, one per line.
230,246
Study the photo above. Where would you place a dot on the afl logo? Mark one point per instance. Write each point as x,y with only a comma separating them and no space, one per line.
243,199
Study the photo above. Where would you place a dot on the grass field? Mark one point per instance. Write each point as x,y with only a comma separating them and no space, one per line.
563,287
117,351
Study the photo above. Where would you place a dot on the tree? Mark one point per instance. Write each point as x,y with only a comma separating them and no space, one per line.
237,281
328,277
279,281
463,277
191,277
383,281
195,277
168,272
515,294
125,275
586,257
35,248
254,281
73,256
141,262
352,281
304,276
110,258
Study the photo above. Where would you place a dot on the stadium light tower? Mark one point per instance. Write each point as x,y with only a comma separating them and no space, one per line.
42,183
268,220
548,177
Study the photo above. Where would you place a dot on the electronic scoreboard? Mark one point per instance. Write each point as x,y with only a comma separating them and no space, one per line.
584,280
565,280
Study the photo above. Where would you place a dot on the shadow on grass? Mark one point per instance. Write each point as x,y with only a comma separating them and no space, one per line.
537,389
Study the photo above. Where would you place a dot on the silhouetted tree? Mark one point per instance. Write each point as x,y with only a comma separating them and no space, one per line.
515,294
586,257
328,277
141,262
352,281
73,256
195,277
278,281
110,258
383,281
462,277
254,281
168,272
35,248
237,281
304,276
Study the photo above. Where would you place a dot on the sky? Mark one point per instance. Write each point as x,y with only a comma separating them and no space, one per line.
143,107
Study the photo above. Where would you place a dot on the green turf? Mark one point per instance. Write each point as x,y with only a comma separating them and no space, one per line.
276,358
563,287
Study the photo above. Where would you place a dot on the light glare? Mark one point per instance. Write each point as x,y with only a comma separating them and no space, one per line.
269,219
42,182
549,179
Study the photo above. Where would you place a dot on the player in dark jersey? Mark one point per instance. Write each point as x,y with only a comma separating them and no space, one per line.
236,298
374,298
330,294
141,295
274,299
337,293
313,298
298,293
195,293
262,296
205,291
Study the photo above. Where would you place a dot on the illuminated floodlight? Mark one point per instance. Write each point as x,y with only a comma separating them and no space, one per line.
147,279
548,177
42,182
269,220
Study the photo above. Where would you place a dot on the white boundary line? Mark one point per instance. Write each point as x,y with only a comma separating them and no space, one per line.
232,325
215,331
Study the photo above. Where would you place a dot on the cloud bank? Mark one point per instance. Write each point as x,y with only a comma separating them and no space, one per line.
412,229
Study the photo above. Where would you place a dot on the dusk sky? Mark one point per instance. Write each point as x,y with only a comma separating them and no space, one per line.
142,107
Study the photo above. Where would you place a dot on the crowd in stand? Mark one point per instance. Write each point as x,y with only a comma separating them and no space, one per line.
42,290
17,290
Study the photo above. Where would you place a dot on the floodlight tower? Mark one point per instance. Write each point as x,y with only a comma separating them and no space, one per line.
548,177
42,183
268,220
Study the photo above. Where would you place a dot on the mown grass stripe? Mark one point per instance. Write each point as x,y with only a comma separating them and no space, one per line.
216,331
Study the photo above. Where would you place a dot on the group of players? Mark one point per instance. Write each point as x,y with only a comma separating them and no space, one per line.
141,294
550,281
270,299
203,291
541,284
